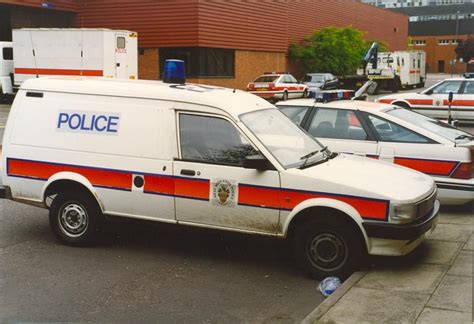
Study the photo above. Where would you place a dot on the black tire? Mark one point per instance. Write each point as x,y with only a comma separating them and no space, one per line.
305,93
396,84
325,248
75,218
285,96
401,104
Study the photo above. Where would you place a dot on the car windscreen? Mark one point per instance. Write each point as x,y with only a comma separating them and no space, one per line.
438,127
288,143
267,78
314,78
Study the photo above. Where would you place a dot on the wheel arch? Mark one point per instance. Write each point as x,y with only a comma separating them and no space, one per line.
401,103
320,208
63,181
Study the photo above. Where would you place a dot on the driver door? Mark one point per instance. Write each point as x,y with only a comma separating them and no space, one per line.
212,188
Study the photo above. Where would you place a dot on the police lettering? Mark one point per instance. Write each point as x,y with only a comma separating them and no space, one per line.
84,122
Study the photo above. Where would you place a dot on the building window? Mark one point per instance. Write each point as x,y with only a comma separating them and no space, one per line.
202,62
443,42
455,41
419,42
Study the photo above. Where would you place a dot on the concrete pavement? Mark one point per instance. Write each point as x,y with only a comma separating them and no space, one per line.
432,285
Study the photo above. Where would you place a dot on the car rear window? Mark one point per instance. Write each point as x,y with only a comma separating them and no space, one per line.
267,78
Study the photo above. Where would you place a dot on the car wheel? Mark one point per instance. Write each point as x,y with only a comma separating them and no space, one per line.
305,93
75,218
285,96
325,248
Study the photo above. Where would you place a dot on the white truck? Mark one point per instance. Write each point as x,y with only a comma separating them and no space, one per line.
399,69
37,52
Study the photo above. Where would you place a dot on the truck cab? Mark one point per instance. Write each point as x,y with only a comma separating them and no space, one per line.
6,69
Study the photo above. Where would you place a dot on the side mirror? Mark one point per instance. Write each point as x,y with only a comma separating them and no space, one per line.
257,162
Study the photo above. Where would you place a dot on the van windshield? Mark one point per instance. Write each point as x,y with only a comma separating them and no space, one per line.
438,127
288,143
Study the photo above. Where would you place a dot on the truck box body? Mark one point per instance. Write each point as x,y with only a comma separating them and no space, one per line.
409,66
90,52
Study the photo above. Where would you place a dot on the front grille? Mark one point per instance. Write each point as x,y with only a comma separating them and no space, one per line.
426,205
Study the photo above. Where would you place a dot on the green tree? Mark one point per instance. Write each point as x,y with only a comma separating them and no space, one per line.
465,49
332,49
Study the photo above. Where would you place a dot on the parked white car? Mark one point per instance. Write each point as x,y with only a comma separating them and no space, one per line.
393,134
434,101
281,86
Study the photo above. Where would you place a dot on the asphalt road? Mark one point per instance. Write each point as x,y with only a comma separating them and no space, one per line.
146,272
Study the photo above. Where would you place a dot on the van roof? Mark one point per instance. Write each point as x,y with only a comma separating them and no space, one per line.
235,102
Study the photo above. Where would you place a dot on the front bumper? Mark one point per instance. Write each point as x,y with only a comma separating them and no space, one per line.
405,232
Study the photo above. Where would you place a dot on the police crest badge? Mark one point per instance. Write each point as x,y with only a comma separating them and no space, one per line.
224,193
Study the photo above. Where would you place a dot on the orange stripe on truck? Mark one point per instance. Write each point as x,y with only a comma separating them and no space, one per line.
59,72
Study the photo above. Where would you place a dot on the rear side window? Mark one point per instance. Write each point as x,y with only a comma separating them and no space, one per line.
212,140
469,88
391,132
7,53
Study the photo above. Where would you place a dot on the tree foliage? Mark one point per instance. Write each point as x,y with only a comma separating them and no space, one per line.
465,49
332,49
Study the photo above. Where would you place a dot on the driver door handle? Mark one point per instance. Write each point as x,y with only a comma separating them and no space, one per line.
188,172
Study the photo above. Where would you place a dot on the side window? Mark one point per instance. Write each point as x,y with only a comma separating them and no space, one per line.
296,114
469,88
447,87
336,123
212,140
286,79
391,132
7,53
120,42
292,79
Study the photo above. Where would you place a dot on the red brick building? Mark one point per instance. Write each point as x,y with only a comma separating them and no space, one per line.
223,42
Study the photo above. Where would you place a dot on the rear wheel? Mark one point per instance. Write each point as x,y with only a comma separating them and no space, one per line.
396,84
327,248
75,218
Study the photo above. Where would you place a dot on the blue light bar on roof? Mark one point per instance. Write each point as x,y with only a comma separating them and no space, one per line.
173,72
331,95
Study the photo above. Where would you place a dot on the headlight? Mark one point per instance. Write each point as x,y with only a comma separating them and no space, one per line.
404,213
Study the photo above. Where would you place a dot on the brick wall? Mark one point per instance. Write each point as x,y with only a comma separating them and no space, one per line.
248,65
148,64
436,53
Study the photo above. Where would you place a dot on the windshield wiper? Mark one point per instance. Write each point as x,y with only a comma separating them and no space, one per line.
307,156
463,136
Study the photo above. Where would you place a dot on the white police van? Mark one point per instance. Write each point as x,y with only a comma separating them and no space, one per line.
204,156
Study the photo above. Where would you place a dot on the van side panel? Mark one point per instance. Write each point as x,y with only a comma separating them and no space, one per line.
110,141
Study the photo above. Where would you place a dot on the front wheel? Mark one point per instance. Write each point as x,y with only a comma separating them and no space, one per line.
285,96
305,93
324,248
75,218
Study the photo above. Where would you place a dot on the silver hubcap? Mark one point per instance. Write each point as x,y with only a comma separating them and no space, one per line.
73,220
327,251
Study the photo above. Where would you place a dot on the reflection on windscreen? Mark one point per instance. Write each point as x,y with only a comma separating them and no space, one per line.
443,129
286,141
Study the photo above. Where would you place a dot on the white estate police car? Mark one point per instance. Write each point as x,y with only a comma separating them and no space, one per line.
204,156
434,101
277,85
396,135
